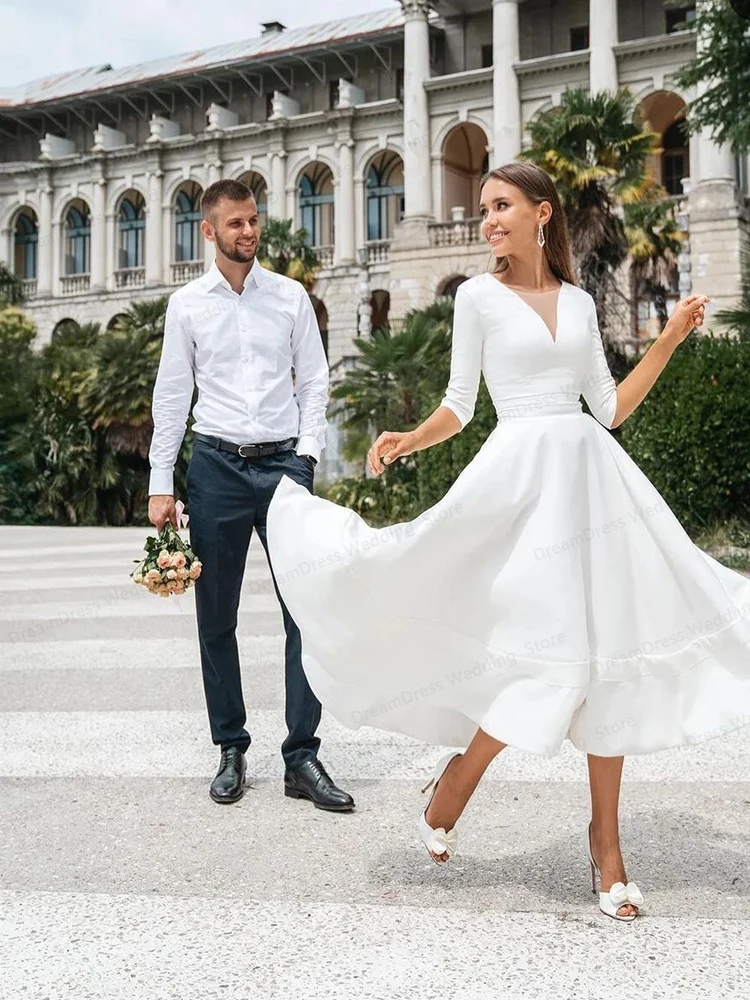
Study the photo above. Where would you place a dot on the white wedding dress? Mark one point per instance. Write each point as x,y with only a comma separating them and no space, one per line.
550,594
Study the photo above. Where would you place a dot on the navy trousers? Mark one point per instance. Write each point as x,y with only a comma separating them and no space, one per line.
228,496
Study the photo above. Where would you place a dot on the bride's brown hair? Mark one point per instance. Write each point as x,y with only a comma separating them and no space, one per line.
538,186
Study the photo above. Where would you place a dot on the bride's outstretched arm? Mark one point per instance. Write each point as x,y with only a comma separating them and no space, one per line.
612,404
457,406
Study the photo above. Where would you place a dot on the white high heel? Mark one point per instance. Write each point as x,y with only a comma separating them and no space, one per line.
618,895
438,841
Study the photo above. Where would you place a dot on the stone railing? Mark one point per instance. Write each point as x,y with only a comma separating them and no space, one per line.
186,270
75,284
130,277
454,234
377,252
29,288
324,255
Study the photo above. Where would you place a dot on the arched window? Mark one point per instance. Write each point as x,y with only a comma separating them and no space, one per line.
78,239
380,305
385,196
321,315
450,287
675,159
26,238
187,223
116,321
465,161
316,204
131,224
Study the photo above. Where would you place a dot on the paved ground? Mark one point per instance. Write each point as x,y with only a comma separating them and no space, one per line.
121,880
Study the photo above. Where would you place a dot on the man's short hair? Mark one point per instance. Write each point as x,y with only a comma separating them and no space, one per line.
229,189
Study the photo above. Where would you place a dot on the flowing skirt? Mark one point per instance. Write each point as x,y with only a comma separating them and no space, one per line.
550,594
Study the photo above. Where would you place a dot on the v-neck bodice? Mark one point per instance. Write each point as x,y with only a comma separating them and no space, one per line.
506,336
544,305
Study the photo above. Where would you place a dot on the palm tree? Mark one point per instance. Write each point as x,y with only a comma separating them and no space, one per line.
595,148
115,395
655,244
392,372
148,315
287,252
11,288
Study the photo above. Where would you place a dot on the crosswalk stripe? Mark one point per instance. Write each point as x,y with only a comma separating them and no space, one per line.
84,742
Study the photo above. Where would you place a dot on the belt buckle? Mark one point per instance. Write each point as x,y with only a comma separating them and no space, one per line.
242,453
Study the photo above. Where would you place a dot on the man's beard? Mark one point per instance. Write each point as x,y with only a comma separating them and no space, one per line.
233,253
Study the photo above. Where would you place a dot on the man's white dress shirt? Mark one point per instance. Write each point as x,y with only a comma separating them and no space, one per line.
239,351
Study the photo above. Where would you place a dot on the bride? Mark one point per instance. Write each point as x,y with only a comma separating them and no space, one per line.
551,594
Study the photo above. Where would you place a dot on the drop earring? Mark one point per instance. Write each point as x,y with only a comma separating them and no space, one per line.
540,237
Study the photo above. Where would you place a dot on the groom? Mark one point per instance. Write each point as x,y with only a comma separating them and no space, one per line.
236,333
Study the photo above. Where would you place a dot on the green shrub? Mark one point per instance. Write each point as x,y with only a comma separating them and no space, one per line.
691,435
382,500
437,468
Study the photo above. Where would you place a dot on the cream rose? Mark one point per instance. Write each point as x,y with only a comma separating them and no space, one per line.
153,576
178,560
195,570
182,574
163,559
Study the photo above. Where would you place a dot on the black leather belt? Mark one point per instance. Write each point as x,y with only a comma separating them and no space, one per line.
248,450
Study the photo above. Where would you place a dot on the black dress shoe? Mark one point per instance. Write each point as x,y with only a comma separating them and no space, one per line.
311,781
227,786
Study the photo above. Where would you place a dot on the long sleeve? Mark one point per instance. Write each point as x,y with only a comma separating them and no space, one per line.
311,379
173,394
600,389
466,357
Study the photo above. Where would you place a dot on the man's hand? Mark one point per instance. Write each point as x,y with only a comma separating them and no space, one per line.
161,508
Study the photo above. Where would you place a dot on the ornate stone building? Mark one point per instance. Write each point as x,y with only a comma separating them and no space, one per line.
370,131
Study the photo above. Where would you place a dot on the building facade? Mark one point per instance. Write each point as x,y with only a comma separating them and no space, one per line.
372,132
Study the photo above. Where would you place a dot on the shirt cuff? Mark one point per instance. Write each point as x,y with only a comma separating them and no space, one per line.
162,482
308,445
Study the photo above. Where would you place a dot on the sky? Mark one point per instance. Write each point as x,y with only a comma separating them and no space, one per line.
39,38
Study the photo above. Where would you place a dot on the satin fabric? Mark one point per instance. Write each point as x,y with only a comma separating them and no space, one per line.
551,594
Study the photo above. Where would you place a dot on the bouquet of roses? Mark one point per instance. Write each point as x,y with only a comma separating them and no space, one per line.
170,565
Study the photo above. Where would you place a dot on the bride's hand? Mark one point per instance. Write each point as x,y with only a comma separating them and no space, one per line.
388,447
687,314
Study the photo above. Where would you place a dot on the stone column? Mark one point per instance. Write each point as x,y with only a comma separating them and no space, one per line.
168,240
45,244
417,180
506,139
215,164
8,248
58,236
277,190
343,249
718,221
98,271
360,221
112,256
154,233
602,40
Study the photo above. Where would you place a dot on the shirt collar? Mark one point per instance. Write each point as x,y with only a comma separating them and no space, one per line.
214,277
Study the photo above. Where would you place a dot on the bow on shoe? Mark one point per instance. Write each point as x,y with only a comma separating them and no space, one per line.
442,842
621,894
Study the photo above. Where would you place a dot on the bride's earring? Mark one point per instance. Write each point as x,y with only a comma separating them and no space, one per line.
540,238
